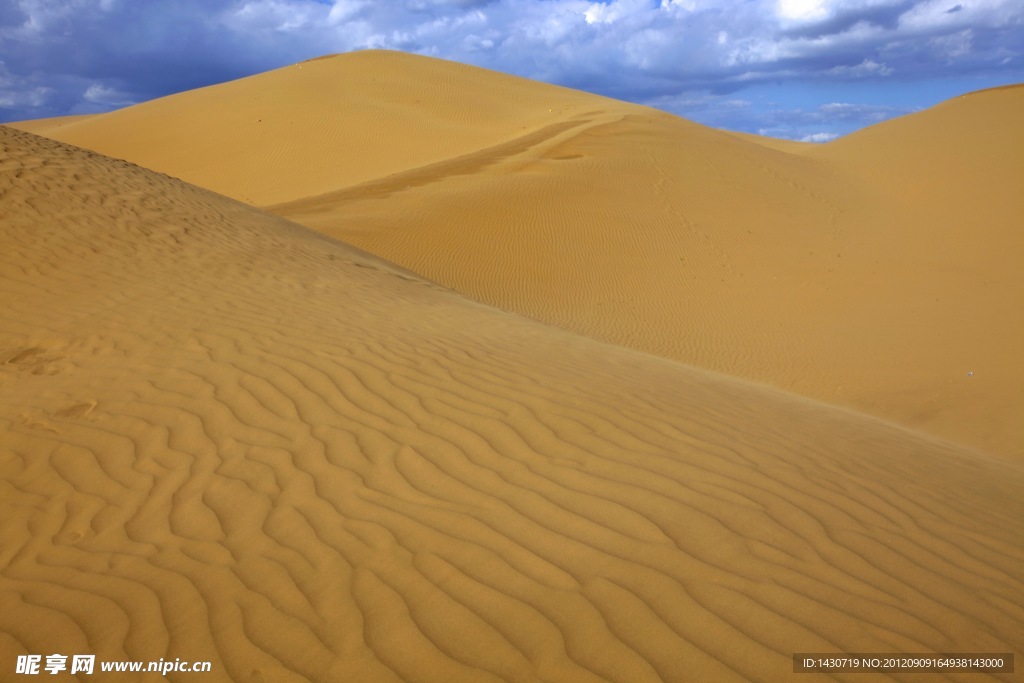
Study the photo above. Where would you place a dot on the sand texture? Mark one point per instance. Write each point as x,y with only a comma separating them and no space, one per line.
880,272
225,437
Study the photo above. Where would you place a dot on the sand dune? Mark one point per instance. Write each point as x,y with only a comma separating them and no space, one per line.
323,124
878,272
224,437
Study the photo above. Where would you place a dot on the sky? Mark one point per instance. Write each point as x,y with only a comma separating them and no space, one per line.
800,69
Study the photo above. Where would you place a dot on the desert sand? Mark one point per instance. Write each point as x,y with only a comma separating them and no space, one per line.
878,272
228,437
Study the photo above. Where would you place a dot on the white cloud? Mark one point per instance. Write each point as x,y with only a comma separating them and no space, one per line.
106,96
955,45
598,13
616,10
33,97
17,92
287,16
819,137
802,10
343,10
867,68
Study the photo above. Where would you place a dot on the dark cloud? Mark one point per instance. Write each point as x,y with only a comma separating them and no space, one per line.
11,15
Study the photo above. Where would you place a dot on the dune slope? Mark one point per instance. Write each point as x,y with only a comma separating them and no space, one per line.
878,272
937,262
874,278
226,438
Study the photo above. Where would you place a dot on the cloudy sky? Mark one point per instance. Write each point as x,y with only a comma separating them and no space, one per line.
801,69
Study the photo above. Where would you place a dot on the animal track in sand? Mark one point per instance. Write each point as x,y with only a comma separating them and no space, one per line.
35,360
77,410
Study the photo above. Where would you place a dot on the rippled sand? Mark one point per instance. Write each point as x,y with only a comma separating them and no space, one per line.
227,437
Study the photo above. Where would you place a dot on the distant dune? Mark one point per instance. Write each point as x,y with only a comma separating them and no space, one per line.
224,437
879,272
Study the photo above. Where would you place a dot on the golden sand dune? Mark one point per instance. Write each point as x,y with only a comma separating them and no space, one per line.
323,124
879,272
224,437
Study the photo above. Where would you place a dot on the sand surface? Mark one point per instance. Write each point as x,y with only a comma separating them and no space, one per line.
878,272
226,437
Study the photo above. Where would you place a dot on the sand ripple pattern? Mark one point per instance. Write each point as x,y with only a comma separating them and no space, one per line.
223,437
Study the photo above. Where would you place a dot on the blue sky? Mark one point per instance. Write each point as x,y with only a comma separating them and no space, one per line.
801,69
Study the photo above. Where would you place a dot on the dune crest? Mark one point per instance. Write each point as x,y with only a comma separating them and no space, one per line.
224,437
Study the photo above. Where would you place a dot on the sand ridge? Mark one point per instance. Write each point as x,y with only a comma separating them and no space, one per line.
226,438
877,272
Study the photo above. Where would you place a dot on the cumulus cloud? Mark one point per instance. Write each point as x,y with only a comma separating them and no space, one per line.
99,98
819,137
57,52
866,68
